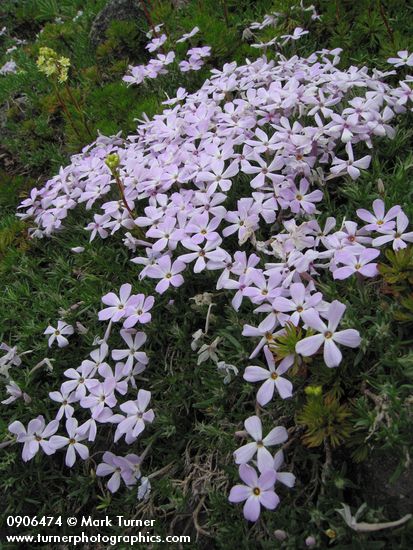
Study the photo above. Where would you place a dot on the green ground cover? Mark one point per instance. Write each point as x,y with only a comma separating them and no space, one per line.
365,408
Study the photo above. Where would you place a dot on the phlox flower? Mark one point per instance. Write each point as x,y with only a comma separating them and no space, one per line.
10,67
156,43
144,489
168,272
136,76
134,343
298,33
188,35
210,251
11,357
379,221
98,226
72,441
328,335
15,393
166,59
137,415
263,288
257,491
352,236
254,428
286,478
131,469
322,234
300,301
59,334
404,58
117,305
305,201
203,51
192,64
220,174
356,263
273,379
35,437
89,429
80,379
245,220
65,399
351,166
115,467
202,228
167,235
97,359
396,235
264,331
138,310
100,395
121,384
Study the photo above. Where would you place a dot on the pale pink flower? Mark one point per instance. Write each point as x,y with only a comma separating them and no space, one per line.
328,335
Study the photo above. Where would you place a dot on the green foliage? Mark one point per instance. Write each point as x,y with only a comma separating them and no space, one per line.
11,231
196,413
398,273
325,419
284,344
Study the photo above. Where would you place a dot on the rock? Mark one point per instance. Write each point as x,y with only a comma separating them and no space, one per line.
178,4
396,497
115,10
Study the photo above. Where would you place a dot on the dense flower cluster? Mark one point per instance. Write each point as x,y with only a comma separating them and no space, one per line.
157,65
52,65
98,389
228,179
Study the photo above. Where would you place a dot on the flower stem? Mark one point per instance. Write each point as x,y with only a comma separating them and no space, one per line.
122,192
79,110
67,113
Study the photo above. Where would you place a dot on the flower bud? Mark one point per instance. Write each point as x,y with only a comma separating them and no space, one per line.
313,390
310,541
280,534
112,161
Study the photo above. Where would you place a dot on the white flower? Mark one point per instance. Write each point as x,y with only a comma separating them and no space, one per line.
59,333
208,352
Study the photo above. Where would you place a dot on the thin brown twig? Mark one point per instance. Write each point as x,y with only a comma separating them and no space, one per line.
226,17
148,17
195,514
386,22
328,462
